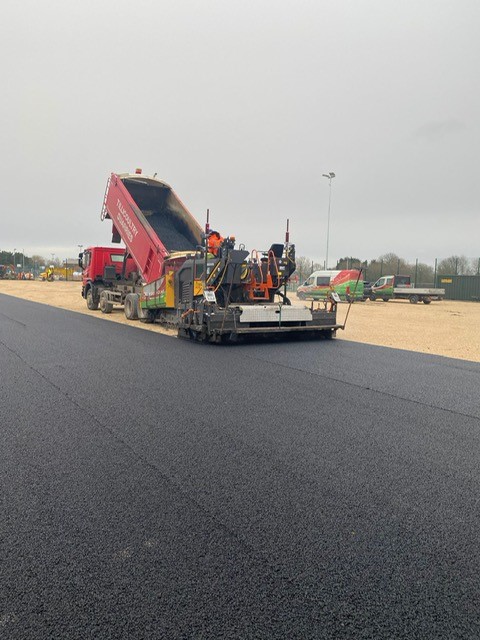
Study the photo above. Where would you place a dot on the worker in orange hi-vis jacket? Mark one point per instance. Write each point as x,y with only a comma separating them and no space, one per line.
214,243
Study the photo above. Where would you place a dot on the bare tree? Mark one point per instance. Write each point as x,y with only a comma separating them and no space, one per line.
305,266
425,273
457,266
392,264
349,262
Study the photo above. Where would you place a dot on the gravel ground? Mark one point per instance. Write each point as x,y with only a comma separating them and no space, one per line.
446,328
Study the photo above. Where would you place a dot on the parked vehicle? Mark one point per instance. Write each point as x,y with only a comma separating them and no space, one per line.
48,275
7,272
174,273
346,283
106,267
400,287
367,290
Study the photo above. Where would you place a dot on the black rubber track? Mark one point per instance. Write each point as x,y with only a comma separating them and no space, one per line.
156,488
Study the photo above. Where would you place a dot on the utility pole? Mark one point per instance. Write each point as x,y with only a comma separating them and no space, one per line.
329,176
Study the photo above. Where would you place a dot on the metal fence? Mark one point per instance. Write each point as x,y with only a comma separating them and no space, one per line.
458,275
419,270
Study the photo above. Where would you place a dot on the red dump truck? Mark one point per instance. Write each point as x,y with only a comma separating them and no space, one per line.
170,272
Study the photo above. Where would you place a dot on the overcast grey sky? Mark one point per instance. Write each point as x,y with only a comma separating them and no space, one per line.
241,106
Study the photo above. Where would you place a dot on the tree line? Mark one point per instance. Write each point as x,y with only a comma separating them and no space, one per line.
28,263
386,264
392,264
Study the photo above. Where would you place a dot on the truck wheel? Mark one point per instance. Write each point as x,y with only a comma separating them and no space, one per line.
426,300
385,299
413,299
105,305
372,297
301,296
147,316
92,304
131,306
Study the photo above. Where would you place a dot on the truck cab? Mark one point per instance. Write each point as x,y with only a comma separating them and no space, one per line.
383,288
101,267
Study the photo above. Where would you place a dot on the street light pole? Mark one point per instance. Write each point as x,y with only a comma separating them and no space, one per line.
329,175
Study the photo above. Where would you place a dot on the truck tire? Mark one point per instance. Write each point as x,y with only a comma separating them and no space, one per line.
131,306
413,299
105,305
372,297
426,300
385,299
92,304
301,296
147,316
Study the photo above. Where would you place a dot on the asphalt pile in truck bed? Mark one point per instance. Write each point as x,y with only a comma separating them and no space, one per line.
166,215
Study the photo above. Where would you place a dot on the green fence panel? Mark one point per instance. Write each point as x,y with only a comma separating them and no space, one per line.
460,287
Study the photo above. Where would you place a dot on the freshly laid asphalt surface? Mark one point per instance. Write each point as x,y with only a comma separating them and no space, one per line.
156,488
